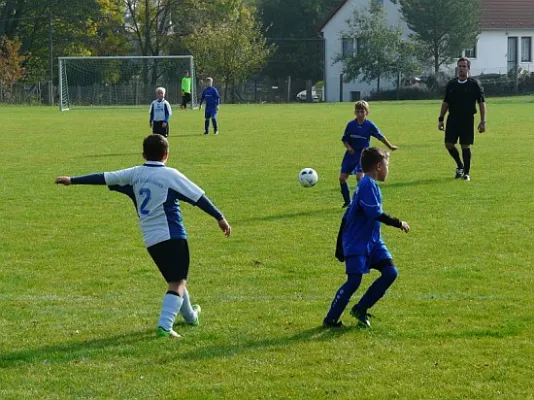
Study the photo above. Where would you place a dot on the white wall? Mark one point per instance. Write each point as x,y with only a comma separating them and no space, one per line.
333,47
492,52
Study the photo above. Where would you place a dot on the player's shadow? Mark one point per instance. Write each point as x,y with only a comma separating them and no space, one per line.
313,334
137,153
290,215
418,182
66,352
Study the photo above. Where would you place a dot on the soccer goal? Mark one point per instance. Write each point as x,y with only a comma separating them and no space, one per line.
122,80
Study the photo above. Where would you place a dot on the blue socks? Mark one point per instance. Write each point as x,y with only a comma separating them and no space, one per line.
345,191
377,290
343,296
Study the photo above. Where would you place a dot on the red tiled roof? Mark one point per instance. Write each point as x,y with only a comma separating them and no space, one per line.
332,13
495,14
502,14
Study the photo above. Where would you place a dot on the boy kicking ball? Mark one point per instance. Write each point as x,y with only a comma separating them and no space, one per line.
360,244
155,190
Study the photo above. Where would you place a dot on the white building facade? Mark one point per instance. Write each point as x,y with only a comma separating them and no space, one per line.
505,43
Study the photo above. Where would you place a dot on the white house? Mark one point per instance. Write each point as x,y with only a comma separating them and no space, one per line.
505,43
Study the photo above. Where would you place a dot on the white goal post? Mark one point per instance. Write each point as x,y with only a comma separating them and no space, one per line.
118,81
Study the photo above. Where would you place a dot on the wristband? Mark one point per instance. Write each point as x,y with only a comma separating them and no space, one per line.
441,119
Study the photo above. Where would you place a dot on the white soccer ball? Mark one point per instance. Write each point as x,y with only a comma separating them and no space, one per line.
308,177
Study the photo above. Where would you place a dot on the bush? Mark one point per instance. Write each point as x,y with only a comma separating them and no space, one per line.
406,94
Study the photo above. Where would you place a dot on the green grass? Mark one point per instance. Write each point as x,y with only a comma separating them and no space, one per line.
80,296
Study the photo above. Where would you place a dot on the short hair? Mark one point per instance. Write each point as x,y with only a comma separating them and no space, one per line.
155,147
209,80
161,89
362,105
467,60
372,156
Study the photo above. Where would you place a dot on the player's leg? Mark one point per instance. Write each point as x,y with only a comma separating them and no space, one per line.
467,138
347,166
189,311
207,116
358,171
382,261
451,138
355,266
172,259
214,122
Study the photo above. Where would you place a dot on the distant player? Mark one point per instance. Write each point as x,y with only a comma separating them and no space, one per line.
212,98
160,112
357,137
186,90
155,190
360,244
461,96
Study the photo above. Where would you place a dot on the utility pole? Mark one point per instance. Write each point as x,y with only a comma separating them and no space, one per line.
50,60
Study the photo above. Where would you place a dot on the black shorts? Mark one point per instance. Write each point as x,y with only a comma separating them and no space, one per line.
172,258
186,98
463,129
159,129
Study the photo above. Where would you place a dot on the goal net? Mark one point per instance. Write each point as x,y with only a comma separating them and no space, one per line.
122,80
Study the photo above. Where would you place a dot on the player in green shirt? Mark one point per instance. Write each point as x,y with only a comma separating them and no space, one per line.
186,90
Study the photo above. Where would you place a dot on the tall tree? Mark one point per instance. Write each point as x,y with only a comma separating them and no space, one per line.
10,66
442,28
232,48
379,49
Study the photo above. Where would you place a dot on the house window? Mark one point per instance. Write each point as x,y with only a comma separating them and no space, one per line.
347,48
472,52
526,49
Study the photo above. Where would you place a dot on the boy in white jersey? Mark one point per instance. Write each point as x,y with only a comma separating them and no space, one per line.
155,190
160,112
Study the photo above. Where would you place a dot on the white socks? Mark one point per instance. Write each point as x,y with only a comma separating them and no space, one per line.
187,311
172,303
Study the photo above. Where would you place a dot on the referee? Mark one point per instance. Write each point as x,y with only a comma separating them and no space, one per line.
461,96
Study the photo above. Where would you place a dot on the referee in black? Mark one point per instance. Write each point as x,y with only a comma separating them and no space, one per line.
461,96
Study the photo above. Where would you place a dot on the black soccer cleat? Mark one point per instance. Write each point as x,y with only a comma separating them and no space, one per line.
345,205
466,177
332,324
459,173
361,317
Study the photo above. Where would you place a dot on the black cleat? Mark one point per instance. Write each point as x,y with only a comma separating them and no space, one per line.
361,317
466,177
345,205
332,324
459,173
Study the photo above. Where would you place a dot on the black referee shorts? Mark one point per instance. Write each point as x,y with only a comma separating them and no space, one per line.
186,98
159,129
460,128
172,258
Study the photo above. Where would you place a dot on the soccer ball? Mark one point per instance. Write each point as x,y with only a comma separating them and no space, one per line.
308,177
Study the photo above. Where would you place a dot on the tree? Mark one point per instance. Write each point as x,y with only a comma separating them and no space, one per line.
10,66
232,48
442,28
380,48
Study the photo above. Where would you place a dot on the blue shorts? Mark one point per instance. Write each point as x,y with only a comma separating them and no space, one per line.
210,112
363,264
351,163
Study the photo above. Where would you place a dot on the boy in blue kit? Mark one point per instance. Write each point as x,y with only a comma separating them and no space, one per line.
212,98
160,112
357,137
360,244
155,190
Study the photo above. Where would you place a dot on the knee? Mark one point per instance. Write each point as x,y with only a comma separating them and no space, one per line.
177,287
390,273
342,179
449,146
466,146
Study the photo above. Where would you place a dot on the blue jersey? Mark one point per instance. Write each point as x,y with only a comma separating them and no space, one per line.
359,136
211,96
155,190
362,230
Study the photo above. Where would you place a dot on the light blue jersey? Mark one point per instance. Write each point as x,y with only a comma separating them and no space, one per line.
156,191
160,110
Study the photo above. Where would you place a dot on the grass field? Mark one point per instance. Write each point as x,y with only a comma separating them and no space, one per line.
80,296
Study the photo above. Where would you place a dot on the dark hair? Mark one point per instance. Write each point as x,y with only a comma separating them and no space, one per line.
155,147
467,60
372,156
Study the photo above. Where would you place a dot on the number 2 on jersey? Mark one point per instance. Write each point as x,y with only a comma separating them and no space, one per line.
146,193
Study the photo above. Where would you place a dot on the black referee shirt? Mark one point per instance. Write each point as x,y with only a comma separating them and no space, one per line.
462,97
